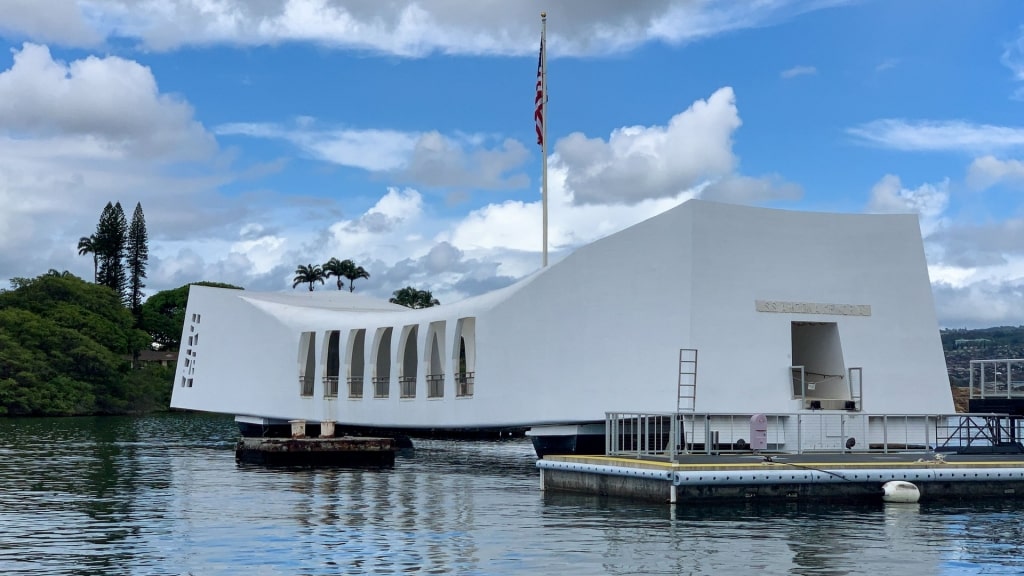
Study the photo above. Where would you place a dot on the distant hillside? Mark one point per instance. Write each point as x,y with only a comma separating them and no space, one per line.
1008,336
962,345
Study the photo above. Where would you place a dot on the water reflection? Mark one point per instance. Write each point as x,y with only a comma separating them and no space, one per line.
162,495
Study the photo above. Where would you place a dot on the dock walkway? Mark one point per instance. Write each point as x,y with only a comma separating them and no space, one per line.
836,475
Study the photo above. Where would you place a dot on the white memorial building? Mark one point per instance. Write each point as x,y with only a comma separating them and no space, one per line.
707,307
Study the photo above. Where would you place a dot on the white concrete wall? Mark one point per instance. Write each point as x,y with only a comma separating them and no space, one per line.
601,330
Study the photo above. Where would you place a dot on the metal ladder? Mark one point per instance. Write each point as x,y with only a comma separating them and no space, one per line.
686,396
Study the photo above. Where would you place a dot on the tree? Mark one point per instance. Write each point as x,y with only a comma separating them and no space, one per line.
345,269
412,298
308,275
136,259
58,273
163,313
110,243
64,345
87,245
353,273
333,267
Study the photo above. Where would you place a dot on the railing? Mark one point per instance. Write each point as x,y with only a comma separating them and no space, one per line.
355,386
464,383
407,386
982,430
306,385
435,385
330,386
670,435
1001,378
380,386
807,387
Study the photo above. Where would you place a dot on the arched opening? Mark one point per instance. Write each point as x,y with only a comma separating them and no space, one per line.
382,362
356,362
307,362
435,360
331,359
464,356
409,359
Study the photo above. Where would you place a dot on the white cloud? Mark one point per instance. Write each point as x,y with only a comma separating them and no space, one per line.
438,161
402,27
887,64
926,135
929,201
59,21
798,71
111,100
644,162
980,305
737,189
1013,58
988,171
516,225
75,135
374,150
425,159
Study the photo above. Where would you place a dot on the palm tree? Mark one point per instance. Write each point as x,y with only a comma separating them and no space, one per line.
353,273
308,275
413,298
335,267
87,245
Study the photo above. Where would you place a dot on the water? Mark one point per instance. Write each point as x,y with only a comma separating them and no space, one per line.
163,495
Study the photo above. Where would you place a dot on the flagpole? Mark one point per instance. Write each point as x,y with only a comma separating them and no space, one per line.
544,132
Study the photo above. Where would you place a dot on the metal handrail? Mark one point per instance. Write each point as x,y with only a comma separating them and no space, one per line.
306,385
330,386
355,386
464,382
668,435
435,385
1006,387
407,386
380,386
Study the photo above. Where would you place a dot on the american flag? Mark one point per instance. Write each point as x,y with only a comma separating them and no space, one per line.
538,111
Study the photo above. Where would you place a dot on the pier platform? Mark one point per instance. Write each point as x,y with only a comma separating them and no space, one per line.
805,476
332,451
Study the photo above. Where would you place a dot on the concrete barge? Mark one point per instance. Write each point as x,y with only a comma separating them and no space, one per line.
821,476
333,451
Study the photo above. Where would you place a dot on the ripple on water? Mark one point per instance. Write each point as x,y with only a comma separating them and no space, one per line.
163,495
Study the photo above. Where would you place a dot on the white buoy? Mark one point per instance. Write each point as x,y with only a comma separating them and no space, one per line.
901,492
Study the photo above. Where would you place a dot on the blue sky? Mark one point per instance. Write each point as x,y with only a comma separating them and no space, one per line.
259,135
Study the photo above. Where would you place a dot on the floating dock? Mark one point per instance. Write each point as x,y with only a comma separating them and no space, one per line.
331,451
820,476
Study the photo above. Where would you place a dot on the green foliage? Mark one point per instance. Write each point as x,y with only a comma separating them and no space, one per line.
998,336
308,274
163,313
65,348
333,267
352,273
149,388
136,258
412,298
110,244
344,269
87,245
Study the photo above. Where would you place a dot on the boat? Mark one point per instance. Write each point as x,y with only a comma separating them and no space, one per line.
706,308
